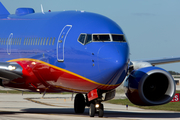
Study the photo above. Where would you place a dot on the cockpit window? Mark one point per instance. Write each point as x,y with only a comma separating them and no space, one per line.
101,37
82,38
88,39
119,38
85,38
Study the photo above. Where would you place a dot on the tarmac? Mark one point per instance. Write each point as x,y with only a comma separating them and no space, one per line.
60,107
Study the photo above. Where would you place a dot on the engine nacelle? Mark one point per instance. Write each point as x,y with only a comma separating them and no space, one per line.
150,86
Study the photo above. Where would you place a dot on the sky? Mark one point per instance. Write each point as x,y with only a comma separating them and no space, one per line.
151,27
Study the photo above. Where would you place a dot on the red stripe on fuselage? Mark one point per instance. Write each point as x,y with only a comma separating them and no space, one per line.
40,74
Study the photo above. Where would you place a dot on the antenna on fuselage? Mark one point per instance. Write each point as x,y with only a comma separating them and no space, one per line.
42,9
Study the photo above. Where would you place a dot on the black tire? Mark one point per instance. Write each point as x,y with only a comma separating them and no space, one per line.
92,110
79,103
101,110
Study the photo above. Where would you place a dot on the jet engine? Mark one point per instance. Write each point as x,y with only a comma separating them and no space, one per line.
149,86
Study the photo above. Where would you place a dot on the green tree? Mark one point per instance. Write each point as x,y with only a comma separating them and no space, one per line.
174,73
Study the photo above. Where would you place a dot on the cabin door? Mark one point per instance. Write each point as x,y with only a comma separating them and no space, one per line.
9,42
61,42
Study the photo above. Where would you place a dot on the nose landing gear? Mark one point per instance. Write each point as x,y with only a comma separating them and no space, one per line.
96,108
93,101
92,110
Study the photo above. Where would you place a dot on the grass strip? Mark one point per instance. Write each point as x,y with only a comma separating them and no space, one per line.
171,106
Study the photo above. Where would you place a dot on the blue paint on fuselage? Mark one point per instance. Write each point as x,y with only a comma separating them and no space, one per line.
103,62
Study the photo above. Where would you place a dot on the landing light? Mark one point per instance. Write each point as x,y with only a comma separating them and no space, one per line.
33,63
97,105
11,67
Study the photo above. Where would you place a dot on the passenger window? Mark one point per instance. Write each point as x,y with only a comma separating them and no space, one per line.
47,41
44,41
29,41
13,41
32,41
24,41
101,38
20,41
2,41
39,41
16,41
50,41
82,38
53,41
6,41
36,41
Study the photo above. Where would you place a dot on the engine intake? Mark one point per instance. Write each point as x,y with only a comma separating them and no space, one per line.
150,86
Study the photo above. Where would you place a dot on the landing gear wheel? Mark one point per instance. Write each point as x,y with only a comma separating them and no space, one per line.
101,110
79,103
92,110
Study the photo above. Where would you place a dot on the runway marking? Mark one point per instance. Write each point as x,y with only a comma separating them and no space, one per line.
48,104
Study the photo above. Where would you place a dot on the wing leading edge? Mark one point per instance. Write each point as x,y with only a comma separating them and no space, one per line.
134,65
163,61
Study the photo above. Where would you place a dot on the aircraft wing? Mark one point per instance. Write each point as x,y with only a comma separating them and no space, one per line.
163,61
146,63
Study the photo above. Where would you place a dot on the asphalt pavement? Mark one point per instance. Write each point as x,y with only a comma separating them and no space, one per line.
60,107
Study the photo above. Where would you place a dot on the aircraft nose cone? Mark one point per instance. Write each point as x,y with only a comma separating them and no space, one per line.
112,56
112,60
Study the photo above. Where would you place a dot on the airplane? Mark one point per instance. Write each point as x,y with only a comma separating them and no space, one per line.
78,52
